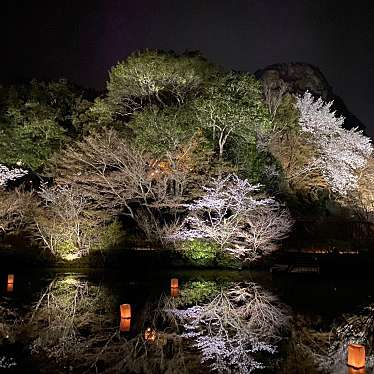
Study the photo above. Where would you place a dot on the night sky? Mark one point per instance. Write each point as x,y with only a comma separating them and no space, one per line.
81,40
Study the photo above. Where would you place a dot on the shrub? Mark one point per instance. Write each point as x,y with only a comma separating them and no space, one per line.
110,237
199,252
66,249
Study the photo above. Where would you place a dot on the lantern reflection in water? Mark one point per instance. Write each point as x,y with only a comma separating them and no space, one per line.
10,283
356,356
174,287
125,323
150,335
174,292
352,370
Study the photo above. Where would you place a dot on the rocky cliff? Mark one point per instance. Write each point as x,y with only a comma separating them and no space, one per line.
301,77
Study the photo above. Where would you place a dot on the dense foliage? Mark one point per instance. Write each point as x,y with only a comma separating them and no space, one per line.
170,133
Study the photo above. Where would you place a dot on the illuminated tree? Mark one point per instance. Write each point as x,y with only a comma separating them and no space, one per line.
232,107
341,153
233,214
17,209
68,225
35,122
155,77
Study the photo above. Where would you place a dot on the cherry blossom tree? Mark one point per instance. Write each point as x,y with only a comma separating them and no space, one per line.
234,215
15,206
341,153
7,174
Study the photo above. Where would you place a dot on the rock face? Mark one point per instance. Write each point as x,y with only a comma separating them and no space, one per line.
301,77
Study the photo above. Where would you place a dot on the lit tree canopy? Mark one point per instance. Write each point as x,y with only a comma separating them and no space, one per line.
162,131
232,107
341,153
35,121
233,214
156,77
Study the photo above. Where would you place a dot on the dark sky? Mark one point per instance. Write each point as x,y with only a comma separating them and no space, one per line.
81,40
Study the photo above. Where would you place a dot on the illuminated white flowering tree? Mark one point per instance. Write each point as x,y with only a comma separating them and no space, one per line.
234,215
7,174
341,153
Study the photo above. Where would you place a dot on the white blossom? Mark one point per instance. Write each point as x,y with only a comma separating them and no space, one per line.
7,174
341,153
234,215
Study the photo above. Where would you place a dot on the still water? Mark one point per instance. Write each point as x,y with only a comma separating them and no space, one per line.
115,321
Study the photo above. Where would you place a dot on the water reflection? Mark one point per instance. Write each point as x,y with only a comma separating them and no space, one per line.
150,335
356,371
174,287
10,283
125,325
177,325
71,317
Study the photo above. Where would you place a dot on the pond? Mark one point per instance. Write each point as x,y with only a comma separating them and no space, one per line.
59,322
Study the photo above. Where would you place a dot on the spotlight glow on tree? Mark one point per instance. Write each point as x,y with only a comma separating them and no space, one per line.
234,215
341,153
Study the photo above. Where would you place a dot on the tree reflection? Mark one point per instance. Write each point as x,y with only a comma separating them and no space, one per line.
71,317
234,327
75,324
210,325
323,349
10,324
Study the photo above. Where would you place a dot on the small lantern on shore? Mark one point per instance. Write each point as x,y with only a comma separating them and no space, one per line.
356,356
125,311
125,324
10,283
174,287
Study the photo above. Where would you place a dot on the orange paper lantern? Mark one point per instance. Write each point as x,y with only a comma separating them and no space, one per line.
125,324
356,356
10,278
10,283
125,310
174,283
